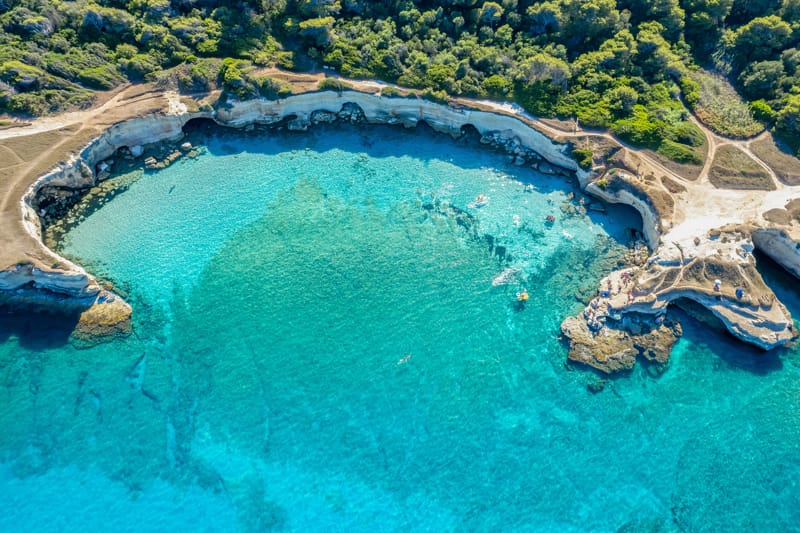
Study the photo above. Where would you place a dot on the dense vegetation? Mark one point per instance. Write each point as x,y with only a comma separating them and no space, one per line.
628,65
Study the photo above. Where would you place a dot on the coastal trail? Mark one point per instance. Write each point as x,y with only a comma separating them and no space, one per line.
30,150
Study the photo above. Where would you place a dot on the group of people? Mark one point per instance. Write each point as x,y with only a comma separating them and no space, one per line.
600,307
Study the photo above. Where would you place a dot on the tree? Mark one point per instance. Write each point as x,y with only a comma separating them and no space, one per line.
317,30
788,119
743,11
668,13
544,17
759,39
704,22
491,13
587,22
622,99
760,80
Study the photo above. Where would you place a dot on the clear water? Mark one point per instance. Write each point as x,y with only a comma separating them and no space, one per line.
319,347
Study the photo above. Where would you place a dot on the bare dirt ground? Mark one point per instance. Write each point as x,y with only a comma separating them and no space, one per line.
31,150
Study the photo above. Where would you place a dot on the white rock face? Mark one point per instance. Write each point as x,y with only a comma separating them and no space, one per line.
783,250
406,111
70,279
73,283
650,221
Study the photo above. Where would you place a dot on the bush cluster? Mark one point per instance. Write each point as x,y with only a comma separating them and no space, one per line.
620,64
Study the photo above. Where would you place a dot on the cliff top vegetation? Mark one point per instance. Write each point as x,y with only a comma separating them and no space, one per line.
631,66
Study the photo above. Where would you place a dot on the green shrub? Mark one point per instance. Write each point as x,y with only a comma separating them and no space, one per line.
680,153
273,89
285,60
197,77
20,74
333,84
690,90
390,91
640,129
762,111
440,97
583,156
139,66
498,86
102,78
686,133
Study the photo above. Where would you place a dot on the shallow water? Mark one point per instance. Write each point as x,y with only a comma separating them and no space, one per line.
319,346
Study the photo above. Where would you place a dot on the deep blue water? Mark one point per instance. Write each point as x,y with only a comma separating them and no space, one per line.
319,347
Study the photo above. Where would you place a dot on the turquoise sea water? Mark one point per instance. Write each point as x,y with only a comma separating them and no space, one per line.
319,347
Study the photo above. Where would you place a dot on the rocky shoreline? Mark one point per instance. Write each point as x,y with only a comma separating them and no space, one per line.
630,326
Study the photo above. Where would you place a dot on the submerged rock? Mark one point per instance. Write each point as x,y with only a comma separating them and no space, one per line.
597,386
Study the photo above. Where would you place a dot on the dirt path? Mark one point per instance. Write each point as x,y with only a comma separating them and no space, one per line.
52,139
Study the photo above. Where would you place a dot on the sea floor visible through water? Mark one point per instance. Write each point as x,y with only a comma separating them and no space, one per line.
319,346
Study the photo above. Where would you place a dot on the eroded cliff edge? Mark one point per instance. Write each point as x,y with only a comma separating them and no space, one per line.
43,278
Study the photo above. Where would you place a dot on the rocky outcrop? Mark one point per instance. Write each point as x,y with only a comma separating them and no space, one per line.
108,318
718,272
615,349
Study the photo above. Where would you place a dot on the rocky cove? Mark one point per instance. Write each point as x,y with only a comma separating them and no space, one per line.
629,324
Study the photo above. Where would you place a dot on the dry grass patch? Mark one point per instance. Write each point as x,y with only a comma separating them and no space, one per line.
672,186
686,171
721,108
793,208
32,146
734,169
7,173
567,126
779,158
778,216
8,157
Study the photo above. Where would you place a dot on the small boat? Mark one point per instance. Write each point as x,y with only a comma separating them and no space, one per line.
523,296
403,360
480,201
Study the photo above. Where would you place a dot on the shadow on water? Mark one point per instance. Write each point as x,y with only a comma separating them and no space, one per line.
785,285
327,137
728,352
35,330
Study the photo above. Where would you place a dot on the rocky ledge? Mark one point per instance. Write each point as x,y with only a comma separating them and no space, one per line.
616,348
627,318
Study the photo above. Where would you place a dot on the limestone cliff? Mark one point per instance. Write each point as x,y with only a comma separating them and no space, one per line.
686,268
50,279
